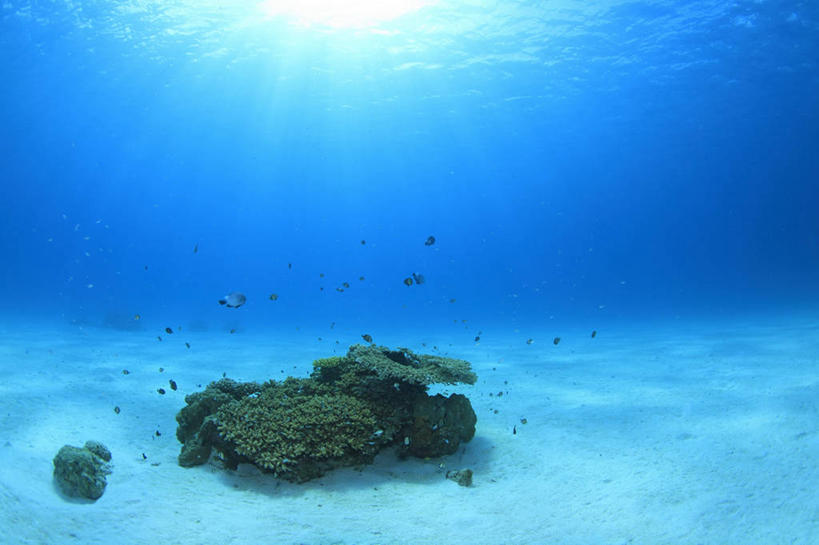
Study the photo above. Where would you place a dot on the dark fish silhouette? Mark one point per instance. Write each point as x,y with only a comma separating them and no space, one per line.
367,337
408,281
430,241
273,296
557,340
196,248
169,331
594,333
419,278
233,300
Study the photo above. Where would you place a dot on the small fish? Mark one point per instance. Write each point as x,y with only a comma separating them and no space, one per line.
477,338
339,290
158,434
159,338
196,247
332,325
452,300
233,300
557,340
116,409
273,296
367,337
126,372
232,331
144,457
529,341
161,391
289,265
161,369
523,421
345,284
146,267
173,384
363,242
137,317
361,278
430,241
419,278
594,333
321,275
514,430
169,331
188,345
408,281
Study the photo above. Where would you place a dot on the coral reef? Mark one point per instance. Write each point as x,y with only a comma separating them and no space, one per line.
349,409
82,471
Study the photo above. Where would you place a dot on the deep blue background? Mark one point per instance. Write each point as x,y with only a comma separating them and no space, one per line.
656,160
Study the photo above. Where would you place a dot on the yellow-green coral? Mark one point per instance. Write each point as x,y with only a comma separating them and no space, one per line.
293,435
343,414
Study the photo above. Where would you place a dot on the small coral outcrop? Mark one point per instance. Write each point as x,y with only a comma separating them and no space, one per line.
81,472
349,409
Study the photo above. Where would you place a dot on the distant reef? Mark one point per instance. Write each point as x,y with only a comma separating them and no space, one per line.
349,409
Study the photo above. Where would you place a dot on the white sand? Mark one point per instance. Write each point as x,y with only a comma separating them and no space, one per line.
704,435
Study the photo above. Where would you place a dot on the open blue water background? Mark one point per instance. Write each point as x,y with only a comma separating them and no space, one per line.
580,163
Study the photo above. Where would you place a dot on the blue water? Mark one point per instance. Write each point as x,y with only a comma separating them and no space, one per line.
646,169
576,162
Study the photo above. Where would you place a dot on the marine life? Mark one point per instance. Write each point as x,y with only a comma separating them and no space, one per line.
161,391
408,281
419,278
233,300
367,337
452,300
361,278
430,241
196,247
363,242
188,345
345,284
116,409
169,331
137,316
529,341
159,338
126,372
594,334
232,331
477,338
557,340
289,265
273,296
173,384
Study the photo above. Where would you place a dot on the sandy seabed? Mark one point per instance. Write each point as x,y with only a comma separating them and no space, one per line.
703,434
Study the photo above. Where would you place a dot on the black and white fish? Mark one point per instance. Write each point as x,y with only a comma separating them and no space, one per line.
233,300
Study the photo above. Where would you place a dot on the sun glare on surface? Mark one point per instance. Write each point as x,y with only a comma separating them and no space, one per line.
341,13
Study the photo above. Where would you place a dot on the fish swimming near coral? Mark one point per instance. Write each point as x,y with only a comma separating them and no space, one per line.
233,300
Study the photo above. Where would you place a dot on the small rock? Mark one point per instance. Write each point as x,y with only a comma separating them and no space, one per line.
461,476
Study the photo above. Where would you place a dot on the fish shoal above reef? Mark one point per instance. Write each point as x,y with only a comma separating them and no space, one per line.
347,410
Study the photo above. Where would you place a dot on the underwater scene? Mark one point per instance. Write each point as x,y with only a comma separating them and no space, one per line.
381,272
